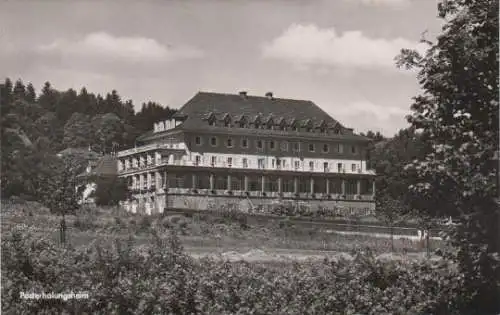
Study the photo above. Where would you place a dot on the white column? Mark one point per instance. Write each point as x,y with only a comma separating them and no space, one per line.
245,183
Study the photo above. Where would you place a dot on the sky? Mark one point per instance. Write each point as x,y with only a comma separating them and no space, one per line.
337,53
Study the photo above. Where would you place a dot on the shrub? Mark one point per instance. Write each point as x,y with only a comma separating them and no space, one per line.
159,278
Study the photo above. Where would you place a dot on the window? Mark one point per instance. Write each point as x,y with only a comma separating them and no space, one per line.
229,161
339,167
326,148
261,163
229,143
325,166
272,163
311,147
297,164
353,167
272,145
244,143
197,160
278,163
296,146
311,166
353,149
284,146
245,162
259,144
214,160
197,140
283,163
340,148
213,141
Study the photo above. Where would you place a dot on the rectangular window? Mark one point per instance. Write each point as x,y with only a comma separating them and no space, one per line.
272,163
296,146
245,162
244,143
229,143
272,145
353,167
284,146
214,160
197,140
297,164
259,144
326,148
311,147
311,166
261,163
197,160
213,141
325,166
340,148
229,161
339,167
353,149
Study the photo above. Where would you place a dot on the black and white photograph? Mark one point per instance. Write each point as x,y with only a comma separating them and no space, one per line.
216,157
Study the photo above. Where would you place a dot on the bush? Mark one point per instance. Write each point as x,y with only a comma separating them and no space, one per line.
160,278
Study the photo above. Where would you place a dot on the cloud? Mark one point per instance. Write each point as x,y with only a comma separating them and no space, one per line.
307,45
138,49
366,115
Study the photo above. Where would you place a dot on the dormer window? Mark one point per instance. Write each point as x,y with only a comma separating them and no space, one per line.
270,123
227,120
243,122
211,119
257,122
308,125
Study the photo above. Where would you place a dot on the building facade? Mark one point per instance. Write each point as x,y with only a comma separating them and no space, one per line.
249,151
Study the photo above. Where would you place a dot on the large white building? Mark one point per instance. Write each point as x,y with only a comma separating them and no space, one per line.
248,151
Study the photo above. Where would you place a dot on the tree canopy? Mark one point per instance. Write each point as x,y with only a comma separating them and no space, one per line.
458,114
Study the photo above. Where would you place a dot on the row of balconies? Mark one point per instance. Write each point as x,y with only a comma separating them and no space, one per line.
269,194
150,147
301,168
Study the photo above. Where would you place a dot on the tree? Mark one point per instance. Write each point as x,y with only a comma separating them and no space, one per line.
108,129
110,191
30,95
60,189
458,114
78,131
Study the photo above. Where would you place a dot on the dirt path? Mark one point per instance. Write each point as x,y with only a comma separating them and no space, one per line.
276,254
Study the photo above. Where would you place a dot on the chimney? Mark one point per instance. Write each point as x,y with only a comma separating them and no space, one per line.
269,95
243,94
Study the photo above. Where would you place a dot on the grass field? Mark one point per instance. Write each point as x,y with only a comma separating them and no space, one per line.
200,234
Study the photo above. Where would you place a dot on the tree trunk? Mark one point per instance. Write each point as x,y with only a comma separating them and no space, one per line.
427,241
392,237
62,231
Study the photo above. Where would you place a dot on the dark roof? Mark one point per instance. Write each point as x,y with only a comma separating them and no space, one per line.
203,105
236,105
105,166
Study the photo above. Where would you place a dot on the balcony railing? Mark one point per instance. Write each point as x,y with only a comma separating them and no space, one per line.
258,166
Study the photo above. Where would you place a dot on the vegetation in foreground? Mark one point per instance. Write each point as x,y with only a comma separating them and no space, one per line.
229,231
159,278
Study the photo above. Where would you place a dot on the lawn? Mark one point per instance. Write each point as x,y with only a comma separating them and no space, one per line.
196,232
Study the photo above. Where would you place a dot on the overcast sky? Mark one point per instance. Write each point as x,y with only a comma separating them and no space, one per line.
336,53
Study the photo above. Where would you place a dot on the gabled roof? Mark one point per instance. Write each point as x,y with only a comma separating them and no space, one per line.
105,166
233,104
195,112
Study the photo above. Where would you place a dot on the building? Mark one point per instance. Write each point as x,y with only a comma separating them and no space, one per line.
86,182
248,151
